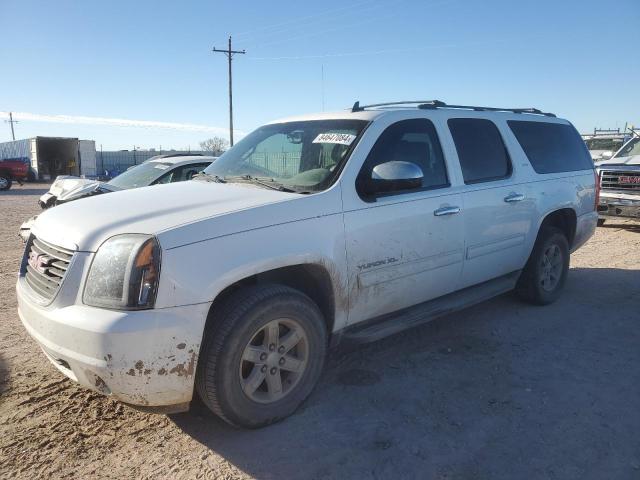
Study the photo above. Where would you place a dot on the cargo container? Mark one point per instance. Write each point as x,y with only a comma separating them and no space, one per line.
52,156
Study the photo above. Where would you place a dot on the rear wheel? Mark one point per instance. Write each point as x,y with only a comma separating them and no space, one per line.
546,270
601,222
263,355
5,181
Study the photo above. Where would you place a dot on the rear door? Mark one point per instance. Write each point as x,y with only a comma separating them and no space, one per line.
499,207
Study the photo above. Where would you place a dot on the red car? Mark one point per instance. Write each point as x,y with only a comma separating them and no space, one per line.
12,169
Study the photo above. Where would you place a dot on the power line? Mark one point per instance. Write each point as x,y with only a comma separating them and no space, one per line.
297,21
358,54
396,50
308,33
229,53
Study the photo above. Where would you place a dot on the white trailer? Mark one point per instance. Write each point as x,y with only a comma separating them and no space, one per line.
53,156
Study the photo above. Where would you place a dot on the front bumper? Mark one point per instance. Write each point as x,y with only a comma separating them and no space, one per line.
618,205
146,358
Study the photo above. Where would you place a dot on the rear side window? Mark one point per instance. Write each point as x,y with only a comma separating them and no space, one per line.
481,151
552,147
414,141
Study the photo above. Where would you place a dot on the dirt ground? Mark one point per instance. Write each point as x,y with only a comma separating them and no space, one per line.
502,391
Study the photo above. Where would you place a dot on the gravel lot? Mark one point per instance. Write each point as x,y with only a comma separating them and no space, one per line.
502,391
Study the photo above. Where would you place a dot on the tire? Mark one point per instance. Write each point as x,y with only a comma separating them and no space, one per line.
534,285
5,181
601,222
238,330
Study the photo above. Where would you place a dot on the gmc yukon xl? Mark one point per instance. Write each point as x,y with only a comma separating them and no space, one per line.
310,231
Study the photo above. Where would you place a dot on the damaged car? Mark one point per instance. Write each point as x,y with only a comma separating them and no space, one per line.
157,170
311,231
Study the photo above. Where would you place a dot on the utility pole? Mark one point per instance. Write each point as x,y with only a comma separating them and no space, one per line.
229,53
11,121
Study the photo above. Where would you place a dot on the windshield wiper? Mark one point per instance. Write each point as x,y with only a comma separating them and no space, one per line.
208,177
265,182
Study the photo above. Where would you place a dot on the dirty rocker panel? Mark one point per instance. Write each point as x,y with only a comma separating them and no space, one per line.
389,324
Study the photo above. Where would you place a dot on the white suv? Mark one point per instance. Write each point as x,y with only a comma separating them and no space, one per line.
345,226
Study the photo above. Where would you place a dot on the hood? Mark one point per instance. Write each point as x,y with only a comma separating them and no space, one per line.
632,160
66,185
152,210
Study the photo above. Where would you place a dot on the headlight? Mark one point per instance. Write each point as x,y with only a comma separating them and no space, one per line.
124,273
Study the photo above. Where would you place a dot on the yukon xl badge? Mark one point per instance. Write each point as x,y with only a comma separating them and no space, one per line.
377,263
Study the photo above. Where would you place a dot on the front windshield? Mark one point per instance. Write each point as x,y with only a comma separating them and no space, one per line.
139,176
630,149
303,156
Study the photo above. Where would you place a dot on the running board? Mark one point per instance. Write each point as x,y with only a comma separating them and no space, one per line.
391,323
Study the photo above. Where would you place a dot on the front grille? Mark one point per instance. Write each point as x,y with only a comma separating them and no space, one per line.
46,267
610,180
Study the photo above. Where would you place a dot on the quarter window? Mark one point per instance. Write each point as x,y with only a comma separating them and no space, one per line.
552,147
481,151
412,141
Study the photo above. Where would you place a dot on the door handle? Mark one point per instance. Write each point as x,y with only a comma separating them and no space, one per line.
514,197
446,211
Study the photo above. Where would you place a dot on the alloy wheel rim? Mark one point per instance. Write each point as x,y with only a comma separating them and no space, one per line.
551,268
3,182
274,361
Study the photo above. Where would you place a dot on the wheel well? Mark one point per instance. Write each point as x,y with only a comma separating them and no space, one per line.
564,219
6,173
312,280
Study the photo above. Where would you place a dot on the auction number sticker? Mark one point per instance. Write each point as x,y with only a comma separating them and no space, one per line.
340,138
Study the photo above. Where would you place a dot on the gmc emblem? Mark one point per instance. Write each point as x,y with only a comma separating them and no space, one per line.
629,179
39,262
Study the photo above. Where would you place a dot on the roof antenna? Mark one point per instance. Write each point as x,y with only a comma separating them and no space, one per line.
356,107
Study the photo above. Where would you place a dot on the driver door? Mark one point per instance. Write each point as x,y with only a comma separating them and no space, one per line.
404,247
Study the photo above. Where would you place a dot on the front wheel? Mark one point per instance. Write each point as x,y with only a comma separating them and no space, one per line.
262,355
545,273
601,222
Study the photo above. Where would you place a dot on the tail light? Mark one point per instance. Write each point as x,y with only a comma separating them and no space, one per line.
597,178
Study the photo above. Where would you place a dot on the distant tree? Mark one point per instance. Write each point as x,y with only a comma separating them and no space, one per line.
215,145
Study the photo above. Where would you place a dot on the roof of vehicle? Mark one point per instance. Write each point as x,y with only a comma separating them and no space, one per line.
176,159
373,111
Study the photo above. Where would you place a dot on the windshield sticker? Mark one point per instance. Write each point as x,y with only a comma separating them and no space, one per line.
161,166
339,138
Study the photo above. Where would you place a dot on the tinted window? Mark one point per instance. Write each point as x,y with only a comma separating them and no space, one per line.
481,151
412,141
552,147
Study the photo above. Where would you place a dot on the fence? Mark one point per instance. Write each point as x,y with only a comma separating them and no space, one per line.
113,163
282,164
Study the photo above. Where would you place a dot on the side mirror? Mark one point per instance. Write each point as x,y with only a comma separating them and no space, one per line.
393,176
606,155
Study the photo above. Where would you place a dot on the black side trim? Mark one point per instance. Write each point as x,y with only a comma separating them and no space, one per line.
391,323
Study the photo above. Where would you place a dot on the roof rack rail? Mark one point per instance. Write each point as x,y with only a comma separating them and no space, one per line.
433,104
359,108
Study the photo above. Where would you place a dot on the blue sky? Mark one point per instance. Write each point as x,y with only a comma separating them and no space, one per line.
151,60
